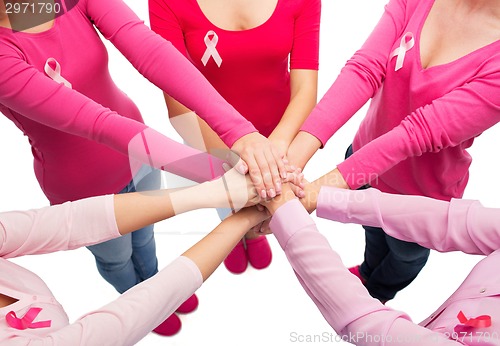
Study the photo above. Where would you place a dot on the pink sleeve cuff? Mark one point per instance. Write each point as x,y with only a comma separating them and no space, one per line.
284,226
193,268
332,203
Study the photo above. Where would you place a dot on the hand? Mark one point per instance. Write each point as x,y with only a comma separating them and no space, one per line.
263,162
240,191
263,227
286,195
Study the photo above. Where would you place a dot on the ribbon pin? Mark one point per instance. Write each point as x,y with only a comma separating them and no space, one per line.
211,51
27,321
483,321
407,43
55,74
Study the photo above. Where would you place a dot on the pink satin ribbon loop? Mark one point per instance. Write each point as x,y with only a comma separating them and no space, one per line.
483,321
26,321
55,73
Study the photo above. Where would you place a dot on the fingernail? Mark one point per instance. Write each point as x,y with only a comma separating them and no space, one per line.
241,169
283,175
302,194
278,186
272,194
263,194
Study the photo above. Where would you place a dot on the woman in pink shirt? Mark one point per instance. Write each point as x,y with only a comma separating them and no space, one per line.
56,87
432,71
469,316
31,315
262,56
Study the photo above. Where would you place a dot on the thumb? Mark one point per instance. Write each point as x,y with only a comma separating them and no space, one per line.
234,160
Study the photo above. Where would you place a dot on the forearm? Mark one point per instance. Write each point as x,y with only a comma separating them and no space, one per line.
162,64
302,101
462,225
302,148
136,210
209,252
194,130
133,314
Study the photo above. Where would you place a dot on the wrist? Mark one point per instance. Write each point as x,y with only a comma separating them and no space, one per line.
215,194
311,192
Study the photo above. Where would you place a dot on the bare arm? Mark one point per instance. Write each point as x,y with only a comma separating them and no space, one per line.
304,91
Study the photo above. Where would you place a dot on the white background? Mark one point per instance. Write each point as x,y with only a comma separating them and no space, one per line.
263,307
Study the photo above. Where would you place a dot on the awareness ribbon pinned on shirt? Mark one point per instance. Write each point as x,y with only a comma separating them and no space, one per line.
483,321
55,74
211,51
27,321
407,43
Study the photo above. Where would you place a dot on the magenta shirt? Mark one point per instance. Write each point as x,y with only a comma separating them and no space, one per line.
459,225
254,73
82,137
415,136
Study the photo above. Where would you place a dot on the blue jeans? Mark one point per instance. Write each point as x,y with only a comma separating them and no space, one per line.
389,264
130,259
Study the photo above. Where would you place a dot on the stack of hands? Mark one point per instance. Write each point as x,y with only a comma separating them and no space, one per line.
244,183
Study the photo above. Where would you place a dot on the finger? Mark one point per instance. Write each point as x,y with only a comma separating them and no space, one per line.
296,178
265,229
297,190
234,160
275,174
267,178
278,159
256,176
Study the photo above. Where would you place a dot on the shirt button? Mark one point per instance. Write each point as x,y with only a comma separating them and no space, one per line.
482,290
34,297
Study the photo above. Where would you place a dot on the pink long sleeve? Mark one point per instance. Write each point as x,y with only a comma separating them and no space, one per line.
340,296
129,318
418,117
67,226
72,130
164,66
61,227
459,225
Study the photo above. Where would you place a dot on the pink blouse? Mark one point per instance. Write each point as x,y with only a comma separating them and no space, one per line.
83,133
68,226
459,225
421,121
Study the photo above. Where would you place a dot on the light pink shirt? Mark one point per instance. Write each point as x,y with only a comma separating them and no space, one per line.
421,121
82,137
459,225
68,226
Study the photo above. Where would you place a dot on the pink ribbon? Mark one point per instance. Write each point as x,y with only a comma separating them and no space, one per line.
407,42
483,321
27,321
55,73
211,51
